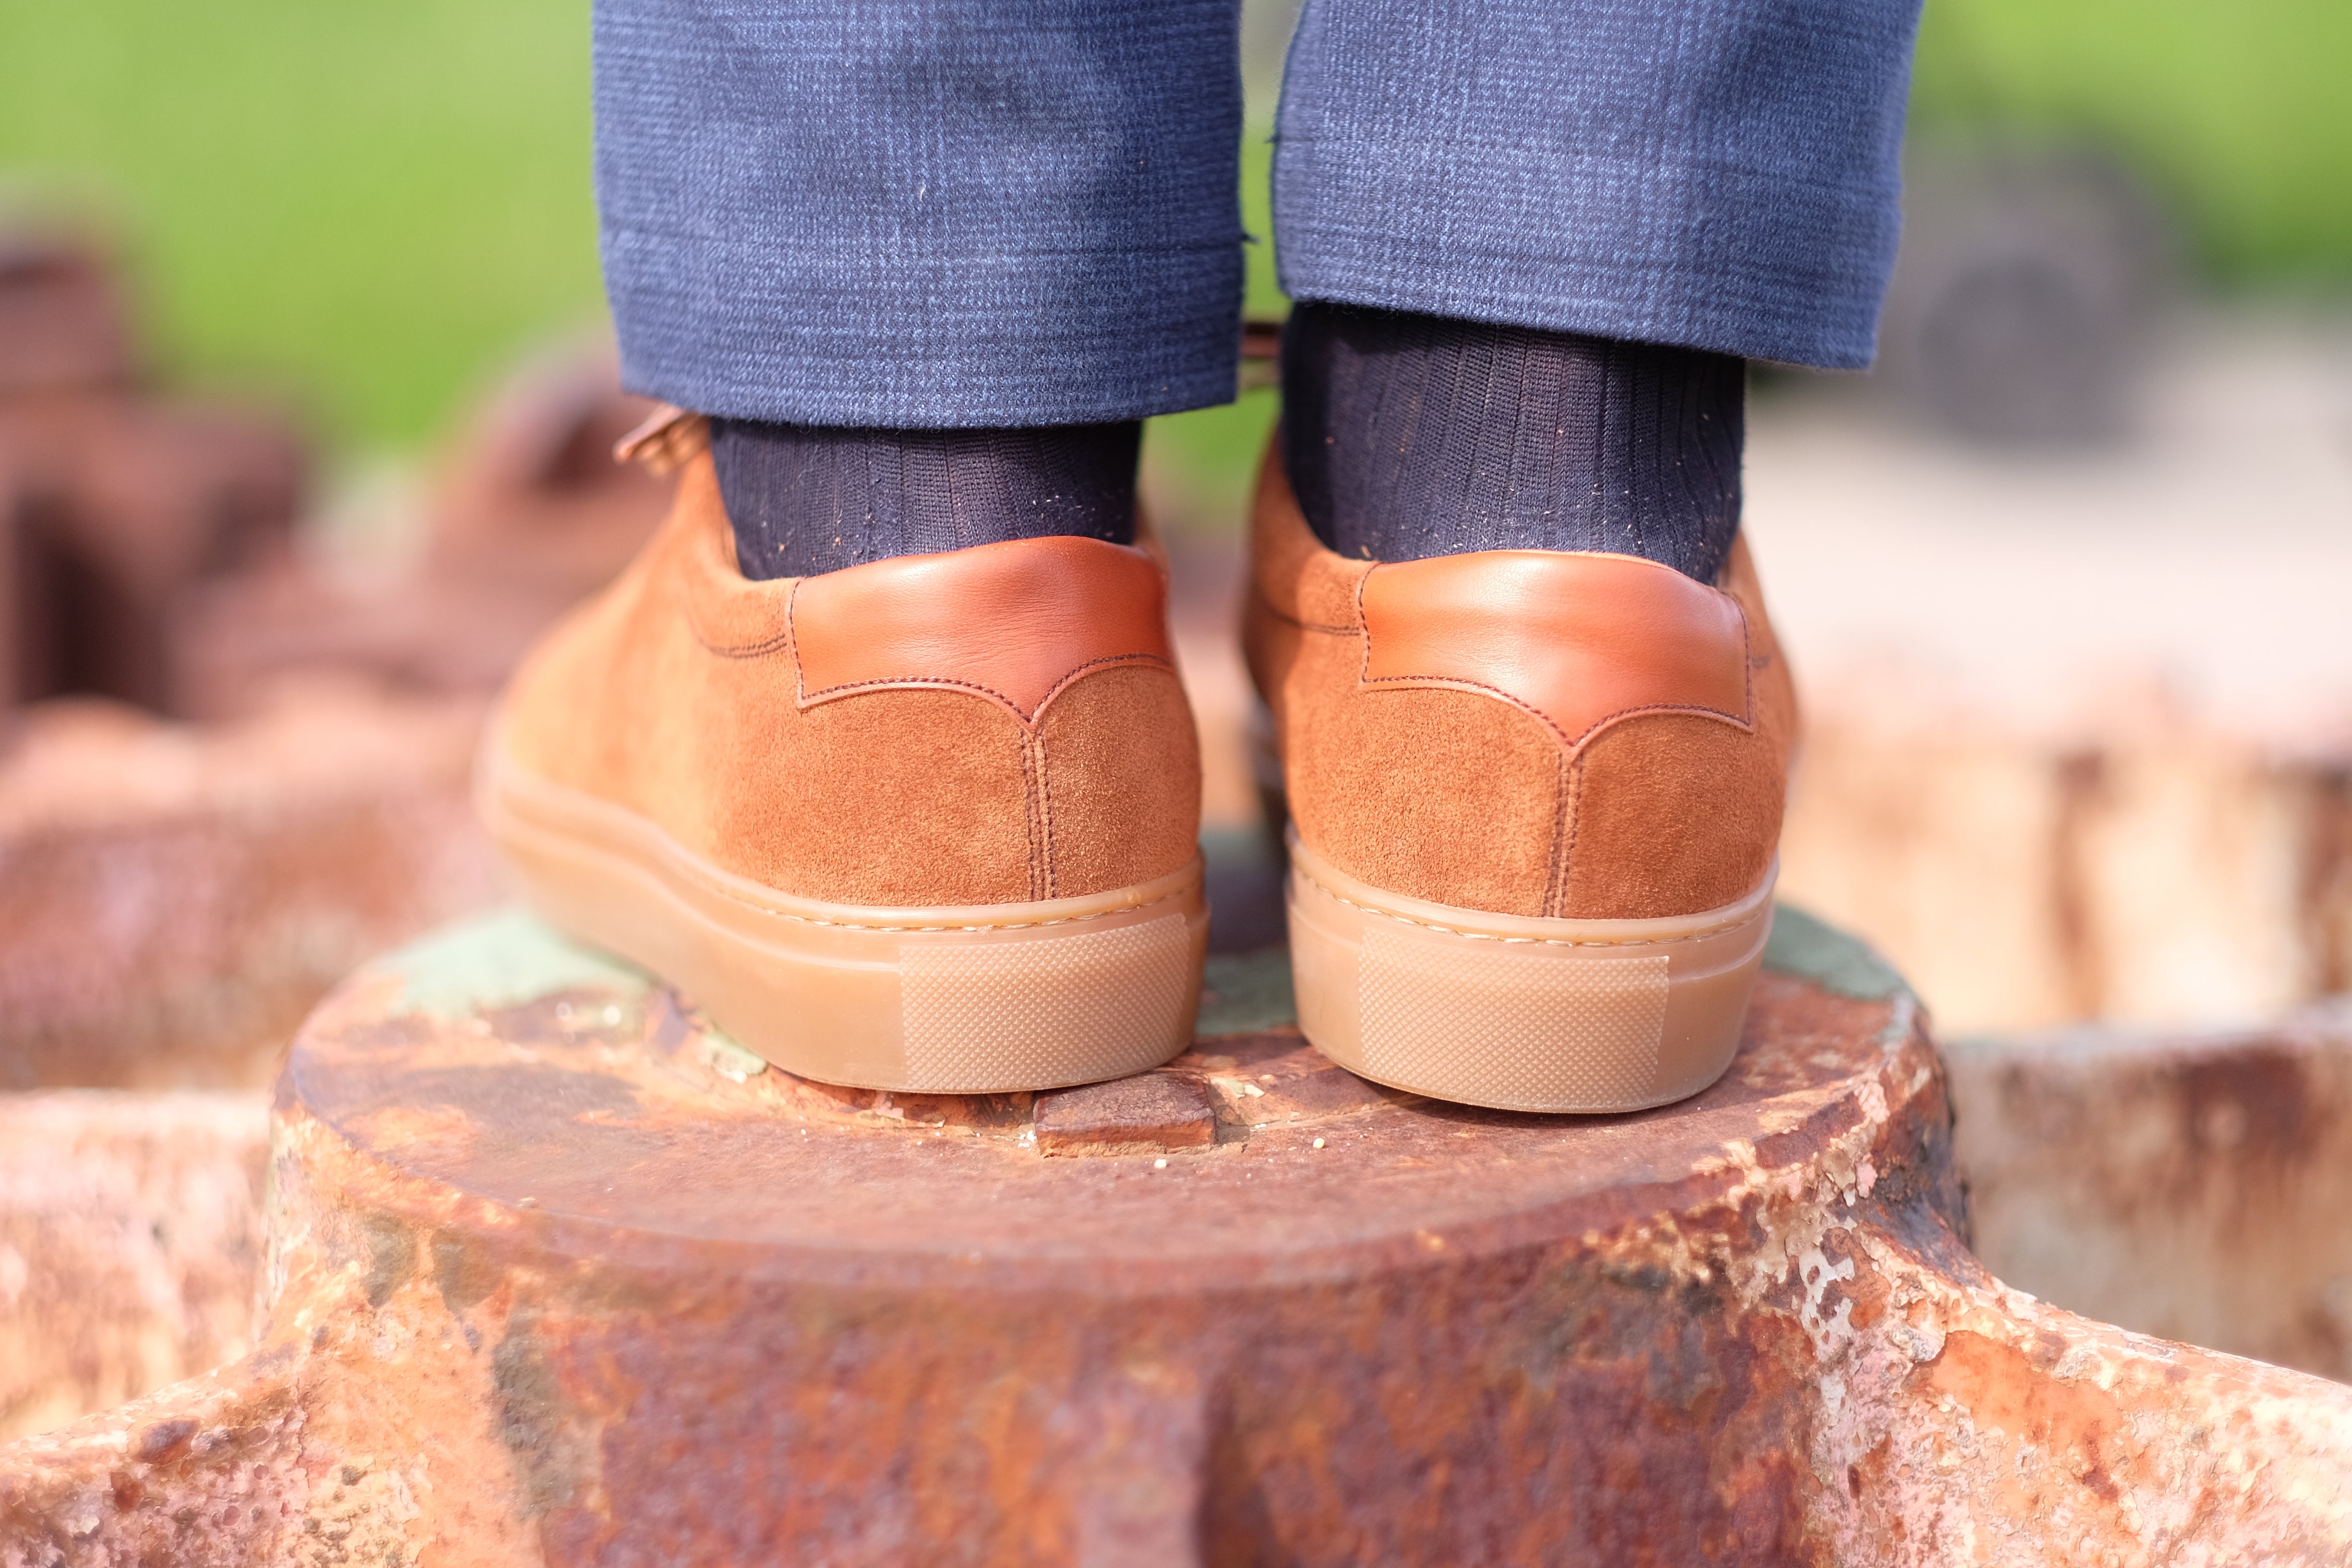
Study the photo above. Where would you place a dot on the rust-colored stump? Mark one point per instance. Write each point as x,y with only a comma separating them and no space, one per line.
558,1275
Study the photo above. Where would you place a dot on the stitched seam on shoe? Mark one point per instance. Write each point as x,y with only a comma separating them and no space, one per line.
1572,743
1029,814
1032,814
1340,897
1746,666
1044,808
735,898
805,698
1564,824
740,650
984,925
1365,678
671,855
761,649
914,682
1287,618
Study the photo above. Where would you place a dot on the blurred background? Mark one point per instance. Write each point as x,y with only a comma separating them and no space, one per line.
303,383
303,371
306,409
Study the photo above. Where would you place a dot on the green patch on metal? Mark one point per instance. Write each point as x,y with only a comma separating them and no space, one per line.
509,957
729,1058
1245,991
502,958
1811,949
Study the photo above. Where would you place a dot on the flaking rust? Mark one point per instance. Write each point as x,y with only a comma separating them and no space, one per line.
555,1281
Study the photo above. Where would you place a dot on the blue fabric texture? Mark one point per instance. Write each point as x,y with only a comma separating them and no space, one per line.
1716,175
953,214
922,212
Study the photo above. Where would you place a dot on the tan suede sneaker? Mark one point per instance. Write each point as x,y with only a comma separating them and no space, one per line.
927,824
1535,800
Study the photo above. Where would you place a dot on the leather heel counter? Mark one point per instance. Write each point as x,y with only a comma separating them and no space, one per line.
1076,770
1548,733
1439,795
1118,785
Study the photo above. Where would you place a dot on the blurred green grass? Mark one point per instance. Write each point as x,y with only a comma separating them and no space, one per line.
2236,111
368,203
373,205
1198,467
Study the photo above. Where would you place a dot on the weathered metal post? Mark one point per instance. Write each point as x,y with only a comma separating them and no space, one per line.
558,1275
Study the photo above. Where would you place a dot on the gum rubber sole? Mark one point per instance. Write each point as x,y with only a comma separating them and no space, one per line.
991,998
1518,1013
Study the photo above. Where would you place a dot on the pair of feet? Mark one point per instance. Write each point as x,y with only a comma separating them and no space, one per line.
929,824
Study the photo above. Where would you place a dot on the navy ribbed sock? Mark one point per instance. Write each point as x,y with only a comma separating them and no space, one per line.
1408,436
808,499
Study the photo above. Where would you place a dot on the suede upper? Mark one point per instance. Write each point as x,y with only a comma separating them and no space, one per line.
1563,734
990,725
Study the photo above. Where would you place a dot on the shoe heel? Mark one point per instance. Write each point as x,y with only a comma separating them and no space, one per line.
1519,1013
987,999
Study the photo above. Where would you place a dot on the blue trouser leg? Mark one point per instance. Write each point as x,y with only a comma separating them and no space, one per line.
962,213
922,212
1716,175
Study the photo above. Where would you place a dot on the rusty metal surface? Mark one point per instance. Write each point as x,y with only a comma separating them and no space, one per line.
129,1245
1147,1114
118,505
528,514
2191,1186
174,899
2164,874
63,325
533,495
114,510
148,550
558,1275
